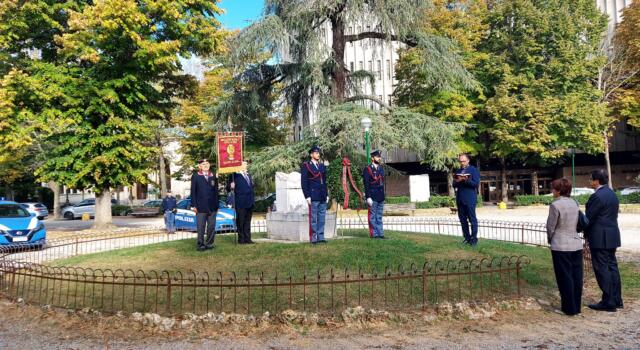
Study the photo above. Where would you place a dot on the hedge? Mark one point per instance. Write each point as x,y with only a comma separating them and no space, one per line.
582,199
397,200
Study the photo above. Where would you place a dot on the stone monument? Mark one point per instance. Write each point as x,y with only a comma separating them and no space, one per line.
290,220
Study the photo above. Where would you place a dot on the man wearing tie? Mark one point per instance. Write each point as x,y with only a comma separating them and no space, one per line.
242,186
204,202
313,178
466,181
373,176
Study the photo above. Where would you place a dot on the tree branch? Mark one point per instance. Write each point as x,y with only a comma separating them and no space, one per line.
378,35
371,98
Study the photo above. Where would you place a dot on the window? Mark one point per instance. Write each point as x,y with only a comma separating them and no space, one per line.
351,66
389,69
370,66
350,32
360,66
368,30
379,71
360,31
390,100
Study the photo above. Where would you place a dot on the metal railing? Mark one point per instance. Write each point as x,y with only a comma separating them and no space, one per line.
27,273
325,292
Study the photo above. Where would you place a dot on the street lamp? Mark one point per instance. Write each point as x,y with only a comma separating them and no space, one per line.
573,166
366,125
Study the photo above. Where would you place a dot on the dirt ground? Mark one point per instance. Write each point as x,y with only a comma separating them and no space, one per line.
26,327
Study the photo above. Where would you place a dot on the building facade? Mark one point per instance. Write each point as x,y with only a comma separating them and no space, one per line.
379,58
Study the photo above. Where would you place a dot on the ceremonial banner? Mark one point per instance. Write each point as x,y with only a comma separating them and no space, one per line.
229,148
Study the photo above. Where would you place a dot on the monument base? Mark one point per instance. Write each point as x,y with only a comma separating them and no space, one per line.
295,226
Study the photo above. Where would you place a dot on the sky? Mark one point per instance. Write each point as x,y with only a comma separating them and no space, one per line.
240,13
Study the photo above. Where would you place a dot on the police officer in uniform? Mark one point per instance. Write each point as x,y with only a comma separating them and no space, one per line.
204,201
373,176
313,178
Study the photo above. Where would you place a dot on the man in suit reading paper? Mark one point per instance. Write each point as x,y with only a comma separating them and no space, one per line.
465,182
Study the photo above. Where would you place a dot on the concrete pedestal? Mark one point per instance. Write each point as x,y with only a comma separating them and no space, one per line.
295,226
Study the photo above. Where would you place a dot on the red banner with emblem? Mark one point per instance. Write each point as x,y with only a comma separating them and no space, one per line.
229,147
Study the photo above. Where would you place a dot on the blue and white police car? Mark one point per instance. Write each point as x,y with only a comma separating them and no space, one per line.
19,227
186,218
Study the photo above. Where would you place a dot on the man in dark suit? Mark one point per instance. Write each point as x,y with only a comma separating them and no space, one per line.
603,236
313,178
373,177
204,200
466,181
242,186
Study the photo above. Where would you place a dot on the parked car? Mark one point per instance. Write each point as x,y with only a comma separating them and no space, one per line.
86,206
18,226
186,218
629,190
148,208
39,209
577,191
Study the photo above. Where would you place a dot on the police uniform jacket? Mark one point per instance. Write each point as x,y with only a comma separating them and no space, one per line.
602,212
373,177
467,191
313,178
204,192
244,193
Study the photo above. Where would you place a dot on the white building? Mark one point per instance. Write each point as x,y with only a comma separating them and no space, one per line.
374,55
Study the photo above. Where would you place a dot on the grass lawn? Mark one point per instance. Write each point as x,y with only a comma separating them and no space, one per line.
373,256
401,249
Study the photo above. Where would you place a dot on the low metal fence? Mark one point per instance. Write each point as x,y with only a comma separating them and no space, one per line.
29,274
325,292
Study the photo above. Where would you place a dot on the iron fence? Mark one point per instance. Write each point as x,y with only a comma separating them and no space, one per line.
27,272
325,292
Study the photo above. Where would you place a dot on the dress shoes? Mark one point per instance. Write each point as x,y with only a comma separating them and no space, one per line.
201,249
602,307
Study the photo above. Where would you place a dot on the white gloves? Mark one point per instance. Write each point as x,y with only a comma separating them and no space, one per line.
309,200
369,201
233,186
327,199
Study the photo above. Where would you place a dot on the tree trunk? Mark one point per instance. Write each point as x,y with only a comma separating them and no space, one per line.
162,175
607,159
534,184
450,189
55,187
103,218
503,178
339,72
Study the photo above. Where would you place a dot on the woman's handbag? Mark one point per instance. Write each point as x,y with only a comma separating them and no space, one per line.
583,222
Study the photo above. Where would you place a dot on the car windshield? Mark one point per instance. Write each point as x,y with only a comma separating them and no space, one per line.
13,211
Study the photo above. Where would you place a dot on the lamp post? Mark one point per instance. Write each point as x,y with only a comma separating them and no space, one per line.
573,166
366,125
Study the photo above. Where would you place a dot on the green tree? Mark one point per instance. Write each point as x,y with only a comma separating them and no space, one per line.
121,69
619,77
540,56
308,72
465,24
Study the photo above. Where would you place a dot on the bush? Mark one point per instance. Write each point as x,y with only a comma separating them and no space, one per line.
526,200
437,202
397,200
631,198
119,210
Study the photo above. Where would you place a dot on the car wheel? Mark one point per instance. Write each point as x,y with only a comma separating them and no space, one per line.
69,215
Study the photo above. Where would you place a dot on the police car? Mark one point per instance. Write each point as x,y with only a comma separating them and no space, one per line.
186,218
18,226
